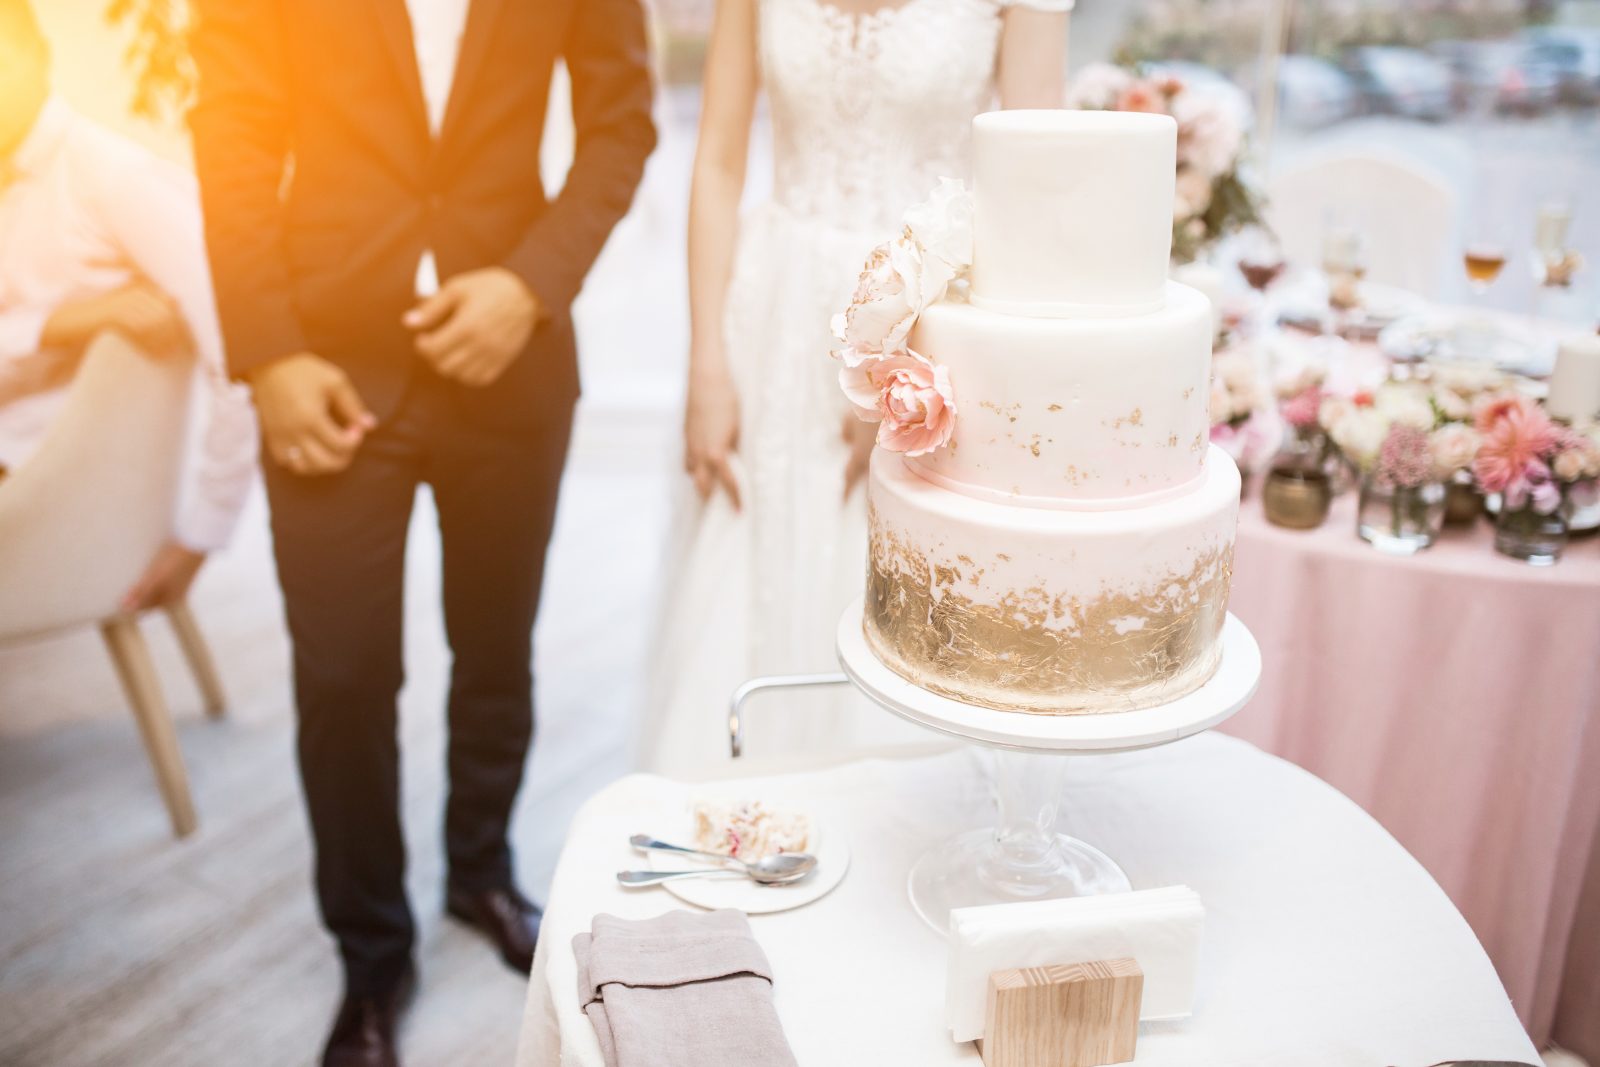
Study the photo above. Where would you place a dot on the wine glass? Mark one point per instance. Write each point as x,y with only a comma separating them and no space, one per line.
1260,258
1484,260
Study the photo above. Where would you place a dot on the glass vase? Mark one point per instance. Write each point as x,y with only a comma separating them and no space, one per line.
1580,506
1399,519
1534,538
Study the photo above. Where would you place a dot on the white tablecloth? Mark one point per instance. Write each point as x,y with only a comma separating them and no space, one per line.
1325,943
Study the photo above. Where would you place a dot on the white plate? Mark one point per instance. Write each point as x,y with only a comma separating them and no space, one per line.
740,893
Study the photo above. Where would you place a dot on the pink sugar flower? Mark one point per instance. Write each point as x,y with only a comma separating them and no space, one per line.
909,397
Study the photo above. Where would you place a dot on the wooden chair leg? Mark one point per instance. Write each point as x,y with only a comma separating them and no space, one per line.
138,673
198,653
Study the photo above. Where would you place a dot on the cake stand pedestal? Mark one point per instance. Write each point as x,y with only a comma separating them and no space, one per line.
1024,856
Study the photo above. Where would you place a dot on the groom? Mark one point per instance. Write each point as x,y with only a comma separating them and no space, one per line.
394,285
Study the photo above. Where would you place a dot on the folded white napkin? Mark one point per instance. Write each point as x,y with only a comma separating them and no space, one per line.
1160,928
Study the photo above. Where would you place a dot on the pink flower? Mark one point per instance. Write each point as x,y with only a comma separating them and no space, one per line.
909,397
1098,86
1141,96
1490,408
1533,487
1516,434
1576,456
1403,459
1301,409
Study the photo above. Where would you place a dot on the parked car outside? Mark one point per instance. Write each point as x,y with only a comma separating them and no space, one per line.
1311,91
1573,54
1502,76
1401,81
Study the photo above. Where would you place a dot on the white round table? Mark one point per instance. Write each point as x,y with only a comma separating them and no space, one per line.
1324,940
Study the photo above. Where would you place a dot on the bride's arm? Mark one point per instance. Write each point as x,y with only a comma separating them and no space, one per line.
1033,56
711,416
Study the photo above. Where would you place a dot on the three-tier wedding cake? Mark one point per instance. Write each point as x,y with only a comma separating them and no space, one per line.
1051,530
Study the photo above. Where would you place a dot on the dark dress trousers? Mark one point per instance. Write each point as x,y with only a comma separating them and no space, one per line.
322,185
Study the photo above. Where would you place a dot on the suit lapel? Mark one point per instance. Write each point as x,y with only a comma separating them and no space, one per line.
396,23
481,18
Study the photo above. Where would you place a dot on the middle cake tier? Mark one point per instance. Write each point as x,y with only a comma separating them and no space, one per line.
1048,610
1085,413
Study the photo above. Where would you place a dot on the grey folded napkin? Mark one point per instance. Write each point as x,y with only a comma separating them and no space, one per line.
681,990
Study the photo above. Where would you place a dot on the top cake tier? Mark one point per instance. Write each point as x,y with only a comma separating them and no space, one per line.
1073,211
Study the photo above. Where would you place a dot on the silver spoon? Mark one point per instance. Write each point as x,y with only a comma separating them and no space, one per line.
782,869
802,863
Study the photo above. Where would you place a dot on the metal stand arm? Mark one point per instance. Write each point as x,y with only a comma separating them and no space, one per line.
761,685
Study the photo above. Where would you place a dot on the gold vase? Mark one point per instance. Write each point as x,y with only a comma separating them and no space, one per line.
1462,504
1297,497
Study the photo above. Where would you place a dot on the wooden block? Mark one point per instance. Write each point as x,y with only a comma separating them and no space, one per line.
1065,1015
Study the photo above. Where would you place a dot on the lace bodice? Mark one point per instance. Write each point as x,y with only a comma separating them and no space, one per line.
870,110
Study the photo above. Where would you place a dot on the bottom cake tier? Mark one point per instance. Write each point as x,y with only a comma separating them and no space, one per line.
1054,612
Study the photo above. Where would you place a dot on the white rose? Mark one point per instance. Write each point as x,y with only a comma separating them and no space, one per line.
1209,138
942,225
1405,404
1098,86
1359,433
1453,448
1334,409
1452,405
1467,379
1568,466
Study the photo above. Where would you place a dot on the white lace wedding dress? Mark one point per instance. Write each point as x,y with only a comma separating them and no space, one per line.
868,111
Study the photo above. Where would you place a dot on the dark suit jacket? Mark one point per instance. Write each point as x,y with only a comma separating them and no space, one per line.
322,183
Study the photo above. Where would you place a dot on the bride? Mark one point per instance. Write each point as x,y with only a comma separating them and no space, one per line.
870,106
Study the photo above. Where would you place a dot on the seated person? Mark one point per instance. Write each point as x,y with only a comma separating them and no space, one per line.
98,234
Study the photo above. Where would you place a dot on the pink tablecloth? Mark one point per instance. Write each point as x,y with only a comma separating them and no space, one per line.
1456,696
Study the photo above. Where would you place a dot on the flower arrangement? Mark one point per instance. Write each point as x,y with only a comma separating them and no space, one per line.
1211,198
1526,456
1361,425
908,395
1242,420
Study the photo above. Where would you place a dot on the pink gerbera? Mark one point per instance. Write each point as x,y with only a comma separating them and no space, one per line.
1490,408
1517,434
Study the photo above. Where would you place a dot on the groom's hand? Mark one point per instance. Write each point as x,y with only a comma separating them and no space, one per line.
475,325
311,415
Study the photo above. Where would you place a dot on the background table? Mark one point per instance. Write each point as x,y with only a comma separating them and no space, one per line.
1455,695
1321,933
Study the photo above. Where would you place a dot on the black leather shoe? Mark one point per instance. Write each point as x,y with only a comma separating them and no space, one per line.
508,919
364,1030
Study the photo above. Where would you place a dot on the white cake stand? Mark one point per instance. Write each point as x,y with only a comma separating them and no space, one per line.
1024,856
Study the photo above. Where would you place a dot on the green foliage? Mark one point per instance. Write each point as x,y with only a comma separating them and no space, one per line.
158,55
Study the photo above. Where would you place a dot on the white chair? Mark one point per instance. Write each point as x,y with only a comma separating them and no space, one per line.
1405,212
82,518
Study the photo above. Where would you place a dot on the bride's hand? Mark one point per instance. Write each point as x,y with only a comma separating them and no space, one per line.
711,436
860,437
